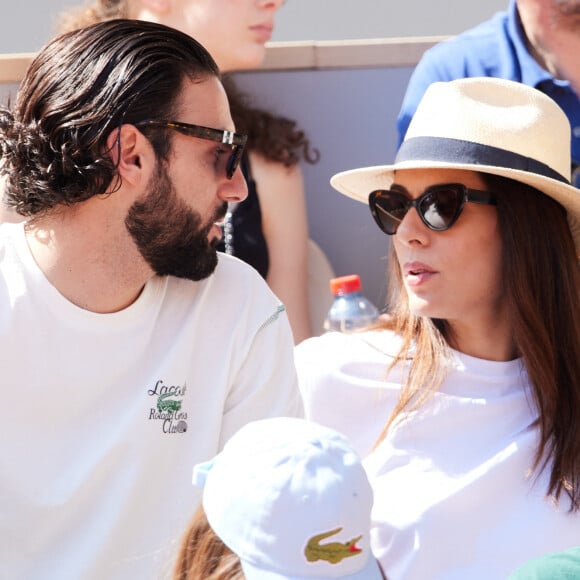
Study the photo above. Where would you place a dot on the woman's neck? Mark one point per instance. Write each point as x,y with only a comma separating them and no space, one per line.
489,342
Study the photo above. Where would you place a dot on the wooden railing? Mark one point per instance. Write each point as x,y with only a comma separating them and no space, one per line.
305,55
13,67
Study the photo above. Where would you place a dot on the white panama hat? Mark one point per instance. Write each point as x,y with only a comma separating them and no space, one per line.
483,124
292,499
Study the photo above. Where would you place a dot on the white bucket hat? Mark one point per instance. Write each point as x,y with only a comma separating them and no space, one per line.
483,124
292,500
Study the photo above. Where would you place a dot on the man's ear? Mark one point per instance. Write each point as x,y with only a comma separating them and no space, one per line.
131,152
159,7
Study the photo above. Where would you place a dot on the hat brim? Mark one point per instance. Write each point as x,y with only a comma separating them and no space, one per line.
371,571
358,183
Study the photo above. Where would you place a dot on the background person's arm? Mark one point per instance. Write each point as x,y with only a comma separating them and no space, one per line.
285,226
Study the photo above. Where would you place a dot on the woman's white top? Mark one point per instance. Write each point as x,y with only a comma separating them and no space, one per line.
454,497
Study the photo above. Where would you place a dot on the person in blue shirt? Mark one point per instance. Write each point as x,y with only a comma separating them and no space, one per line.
535,42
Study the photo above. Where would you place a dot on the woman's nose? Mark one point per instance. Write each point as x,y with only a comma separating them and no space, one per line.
412,230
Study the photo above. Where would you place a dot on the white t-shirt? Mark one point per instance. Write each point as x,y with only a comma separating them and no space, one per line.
452,496
105,415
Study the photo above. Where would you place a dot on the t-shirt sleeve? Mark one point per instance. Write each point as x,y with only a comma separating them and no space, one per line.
265,384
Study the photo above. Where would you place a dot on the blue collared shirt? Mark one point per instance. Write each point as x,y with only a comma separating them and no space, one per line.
494,48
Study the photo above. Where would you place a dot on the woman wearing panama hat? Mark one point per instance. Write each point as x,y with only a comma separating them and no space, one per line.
465,399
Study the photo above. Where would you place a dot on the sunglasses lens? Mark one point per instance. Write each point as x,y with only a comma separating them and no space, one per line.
441,207
438,207
388,209
234,160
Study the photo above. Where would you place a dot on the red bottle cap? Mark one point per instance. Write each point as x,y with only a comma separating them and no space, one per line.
345,284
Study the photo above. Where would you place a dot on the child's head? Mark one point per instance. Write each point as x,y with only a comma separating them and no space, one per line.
292,500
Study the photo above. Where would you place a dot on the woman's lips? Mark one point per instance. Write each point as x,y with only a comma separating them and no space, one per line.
417,273
263,32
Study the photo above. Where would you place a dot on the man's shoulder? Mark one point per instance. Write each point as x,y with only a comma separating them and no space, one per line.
11,229
229,271
235,274
11,239
233,286
488,36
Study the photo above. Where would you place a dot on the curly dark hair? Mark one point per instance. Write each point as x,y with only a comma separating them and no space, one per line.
81,87
275,137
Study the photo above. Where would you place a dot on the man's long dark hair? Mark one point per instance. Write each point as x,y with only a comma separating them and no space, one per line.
80,88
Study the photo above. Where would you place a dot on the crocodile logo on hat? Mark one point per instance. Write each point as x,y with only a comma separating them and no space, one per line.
333,552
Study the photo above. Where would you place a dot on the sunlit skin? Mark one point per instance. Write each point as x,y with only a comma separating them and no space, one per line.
456,274
86,250
197,167
234,31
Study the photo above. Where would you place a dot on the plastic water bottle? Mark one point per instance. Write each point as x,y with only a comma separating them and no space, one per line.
350,310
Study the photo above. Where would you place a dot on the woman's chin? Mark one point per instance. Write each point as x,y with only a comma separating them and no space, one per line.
422,307
251,58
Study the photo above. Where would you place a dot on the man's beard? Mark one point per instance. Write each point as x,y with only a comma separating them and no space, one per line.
169,235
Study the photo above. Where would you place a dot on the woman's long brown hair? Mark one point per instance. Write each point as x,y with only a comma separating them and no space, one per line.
541,286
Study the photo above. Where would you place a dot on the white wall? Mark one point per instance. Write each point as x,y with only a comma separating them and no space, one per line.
350,19
25,25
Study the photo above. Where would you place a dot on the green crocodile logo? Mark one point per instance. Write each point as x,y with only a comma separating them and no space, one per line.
333,552
167,405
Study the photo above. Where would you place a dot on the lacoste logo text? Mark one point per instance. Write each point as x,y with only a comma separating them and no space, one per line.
169,400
